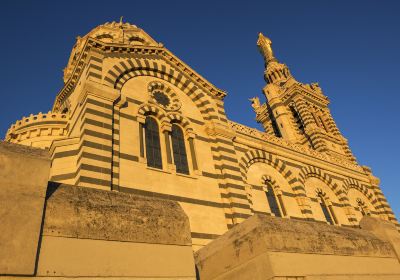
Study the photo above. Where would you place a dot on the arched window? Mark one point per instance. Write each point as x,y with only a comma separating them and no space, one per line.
179,150
272,201
325,209
153,148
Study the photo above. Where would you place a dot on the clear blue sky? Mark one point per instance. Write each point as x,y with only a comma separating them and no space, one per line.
352,48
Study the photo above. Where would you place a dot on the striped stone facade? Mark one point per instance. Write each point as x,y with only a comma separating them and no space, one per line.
98,139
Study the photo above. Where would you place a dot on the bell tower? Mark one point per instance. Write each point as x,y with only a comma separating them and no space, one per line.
295,111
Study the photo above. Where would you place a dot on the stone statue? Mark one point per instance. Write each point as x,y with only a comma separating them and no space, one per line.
264,45
255,103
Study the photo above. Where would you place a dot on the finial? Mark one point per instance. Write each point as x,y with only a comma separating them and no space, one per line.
264,44
120,20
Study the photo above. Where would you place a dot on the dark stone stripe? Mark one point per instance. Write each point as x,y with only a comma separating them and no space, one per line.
230,185
240,149
128,157
233,177
65,154
288,163
196,121
306,211
236,195
222,149
172,197
289,194
96,123
204,235
262,213
126,116
94,58
227,167
134,101
63,177
93,168
94,181
222,157
258,188
227,142
96,157
236,205
94,75
97,134
97,146
96,113
237,215
204,139
98,103
211,175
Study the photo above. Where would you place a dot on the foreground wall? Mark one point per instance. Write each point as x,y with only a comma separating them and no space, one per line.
24,172
265,247
67,231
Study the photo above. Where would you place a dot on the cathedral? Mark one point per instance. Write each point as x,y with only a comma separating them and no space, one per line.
133,118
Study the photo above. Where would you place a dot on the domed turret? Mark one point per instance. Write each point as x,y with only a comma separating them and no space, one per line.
119,33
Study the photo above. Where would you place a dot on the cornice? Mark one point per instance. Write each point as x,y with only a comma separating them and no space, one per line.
310,94
254,133
92,43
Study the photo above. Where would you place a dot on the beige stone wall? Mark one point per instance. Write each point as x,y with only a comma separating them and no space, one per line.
24,173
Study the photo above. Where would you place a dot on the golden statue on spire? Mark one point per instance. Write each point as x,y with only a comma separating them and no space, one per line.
264,44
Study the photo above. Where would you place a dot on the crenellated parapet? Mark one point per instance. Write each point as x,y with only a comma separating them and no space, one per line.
38,130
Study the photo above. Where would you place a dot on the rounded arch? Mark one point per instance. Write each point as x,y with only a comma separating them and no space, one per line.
312,171
253,156
271,181
350,183
175,117
361,203
123,71
362,190
148,109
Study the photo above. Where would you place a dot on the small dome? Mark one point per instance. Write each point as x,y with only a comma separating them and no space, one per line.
120,33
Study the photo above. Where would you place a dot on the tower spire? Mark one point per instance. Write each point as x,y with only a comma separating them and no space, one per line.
264,44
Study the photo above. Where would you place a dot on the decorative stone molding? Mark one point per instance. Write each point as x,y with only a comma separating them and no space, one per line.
163,96
242,129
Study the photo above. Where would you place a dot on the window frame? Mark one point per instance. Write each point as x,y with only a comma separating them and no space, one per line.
181,153
156,159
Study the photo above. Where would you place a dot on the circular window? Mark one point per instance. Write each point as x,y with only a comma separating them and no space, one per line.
163,96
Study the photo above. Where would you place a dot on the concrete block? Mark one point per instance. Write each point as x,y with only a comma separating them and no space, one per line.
265,247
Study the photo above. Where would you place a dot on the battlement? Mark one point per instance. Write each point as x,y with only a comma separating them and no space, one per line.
29,129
